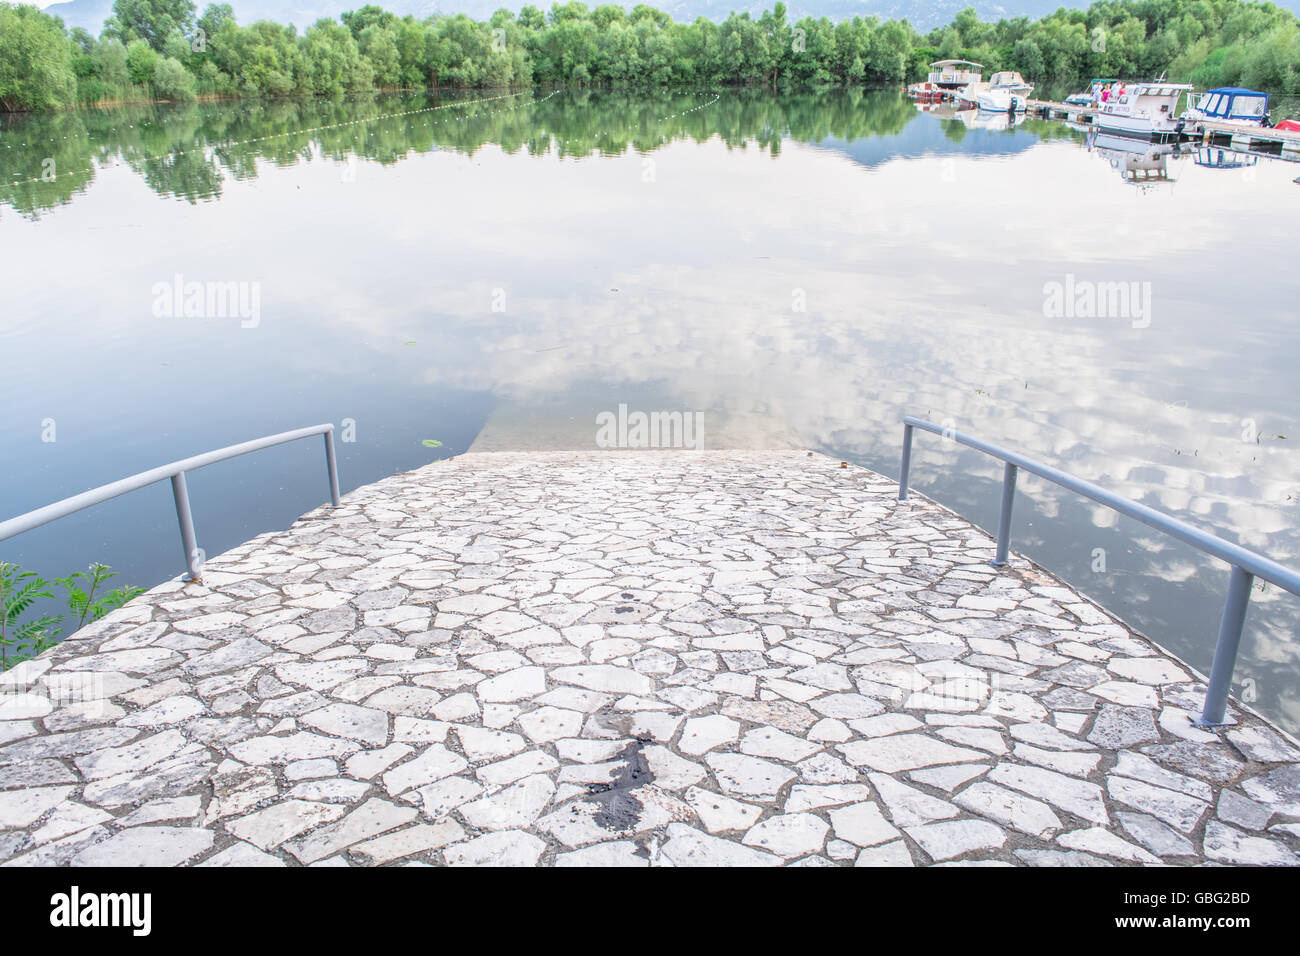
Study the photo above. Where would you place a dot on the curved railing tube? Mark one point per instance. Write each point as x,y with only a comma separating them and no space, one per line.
1246,564
176,472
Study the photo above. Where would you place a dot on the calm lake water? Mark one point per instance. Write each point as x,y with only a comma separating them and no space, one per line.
798,269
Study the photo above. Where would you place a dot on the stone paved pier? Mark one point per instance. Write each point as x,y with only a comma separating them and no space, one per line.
658,658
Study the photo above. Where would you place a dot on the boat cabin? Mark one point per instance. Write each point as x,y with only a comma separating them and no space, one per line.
1233,103
1009,80
954,74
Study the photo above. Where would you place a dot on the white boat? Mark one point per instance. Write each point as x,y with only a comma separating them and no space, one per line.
1012,82
1231,106
954,74
1149,110
984,96
992,100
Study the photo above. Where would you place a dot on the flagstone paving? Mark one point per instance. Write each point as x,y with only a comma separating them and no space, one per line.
627,659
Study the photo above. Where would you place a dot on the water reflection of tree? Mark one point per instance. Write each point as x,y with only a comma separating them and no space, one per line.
186,151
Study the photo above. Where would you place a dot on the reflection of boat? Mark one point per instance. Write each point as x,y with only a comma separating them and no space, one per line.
1139,164
995,122
1216,157
1230,106
1093,94
1144,109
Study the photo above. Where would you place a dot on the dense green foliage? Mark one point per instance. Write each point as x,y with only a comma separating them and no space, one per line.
159,49
35,61
24,633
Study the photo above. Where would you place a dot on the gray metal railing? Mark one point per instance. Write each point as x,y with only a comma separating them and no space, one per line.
176,472
1246,564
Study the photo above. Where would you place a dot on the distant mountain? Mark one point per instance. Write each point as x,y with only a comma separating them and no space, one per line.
922,14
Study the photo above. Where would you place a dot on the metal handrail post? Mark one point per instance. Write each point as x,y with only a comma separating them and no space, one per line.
907,463
176,473
1246,565
1225,649
1004,520
193,566
332,465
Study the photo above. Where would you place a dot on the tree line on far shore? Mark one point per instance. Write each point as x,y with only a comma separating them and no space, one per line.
164,50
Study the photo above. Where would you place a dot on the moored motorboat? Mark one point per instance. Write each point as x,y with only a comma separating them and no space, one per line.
1012,82
1230,106
1148,110
1000,101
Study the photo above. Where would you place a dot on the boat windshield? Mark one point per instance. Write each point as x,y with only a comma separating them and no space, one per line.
1248,105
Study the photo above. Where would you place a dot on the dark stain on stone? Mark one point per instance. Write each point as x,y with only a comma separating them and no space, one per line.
619,807
624,609
627,595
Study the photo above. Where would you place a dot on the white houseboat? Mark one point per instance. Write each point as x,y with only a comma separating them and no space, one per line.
954,74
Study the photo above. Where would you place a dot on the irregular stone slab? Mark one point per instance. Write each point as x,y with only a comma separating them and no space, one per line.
771,742
904,752
399,844
719,813
1079,797
1104,843
515,807
299,746
241,854
506,848
372,818
890,854
616,853
519,684
365,724
269,828
147,846
605,678
434,763
702,734
1178,810
227,657
908,806
789,835
1009,809
1119,727
954,838
862,824
21,808
1263,744
687,846
1226,844
748,776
